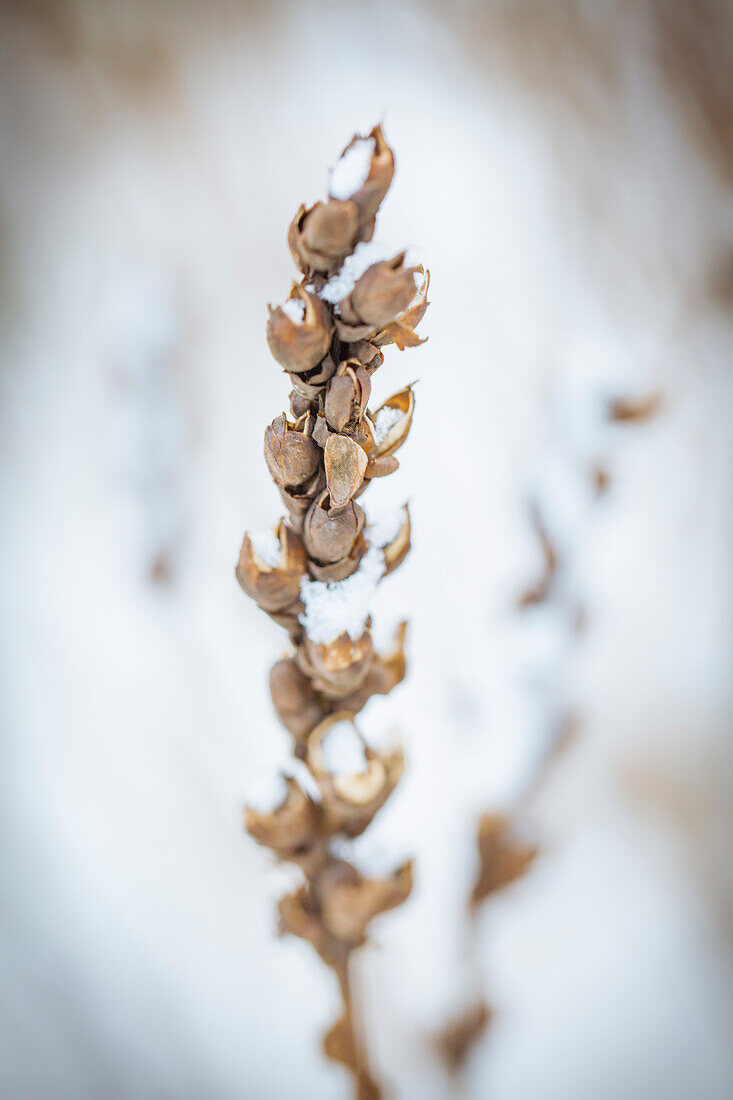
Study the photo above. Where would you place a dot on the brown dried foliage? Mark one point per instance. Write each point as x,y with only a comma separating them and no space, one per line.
322,460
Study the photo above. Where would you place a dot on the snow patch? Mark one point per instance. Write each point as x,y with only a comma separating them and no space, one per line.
294,308
350,173
385,419
266,546
385,527
338,607
343,750
340,285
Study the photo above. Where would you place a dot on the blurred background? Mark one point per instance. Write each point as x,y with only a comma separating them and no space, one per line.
565,171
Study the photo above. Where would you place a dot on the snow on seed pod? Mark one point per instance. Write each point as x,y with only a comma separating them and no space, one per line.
364,173
391,423
299,331
271,566
354,780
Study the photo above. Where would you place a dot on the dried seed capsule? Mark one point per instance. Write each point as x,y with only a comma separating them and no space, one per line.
401,331
349,906
384,290
366,188
391,423
358,782
319,238
291,456
274,585
329,533
291,825
296,703
336,668
299,333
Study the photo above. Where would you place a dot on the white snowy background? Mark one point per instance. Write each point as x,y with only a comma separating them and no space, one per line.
565,171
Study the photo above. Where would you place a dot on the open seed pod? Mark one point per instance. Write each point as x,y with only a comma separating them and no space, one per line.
336,668
320,237
354,781
291,826
296,703
301,916
330,533
291,456
401,331
349,904
385,290
299,345
347,394
386,673
391,423
274,588
345,463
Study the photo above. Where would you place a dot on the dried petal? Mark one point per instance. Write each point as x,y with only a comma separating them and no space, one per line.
291,456
345,463
340,397
274,589
502,859
397,550
299,347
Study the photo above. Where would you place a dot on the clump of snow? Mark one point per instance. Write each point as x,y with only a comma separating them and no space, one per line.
266,546
350,173
267,792
385,527
338,607
340,285
385,419
343,750
294,308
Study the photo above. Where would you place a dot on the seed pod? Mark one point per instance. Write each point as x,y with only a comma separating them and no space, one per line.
369,196
319,238
299,346
345,463
329,533
401,331
296,703
347,394
386,673
336,668
384,290
351,801
291,456
392,422
502,859
300,916
339,570
291,825
349,906
274,589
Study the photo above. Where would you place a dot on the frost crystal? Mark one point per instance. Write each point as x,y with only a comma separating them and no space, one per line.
343,282
386,418
341,607
343,750
294,308
350,174
266,546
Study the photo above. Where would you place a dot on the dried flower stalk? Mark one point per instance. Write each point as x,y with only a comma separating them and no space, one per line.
312,571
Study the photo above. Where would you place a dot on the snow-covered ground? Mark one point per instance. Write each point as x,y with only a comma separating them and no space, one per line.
561,172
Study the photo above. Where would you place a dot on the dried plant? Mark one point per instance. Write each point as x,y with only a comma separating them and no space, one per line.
316,572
